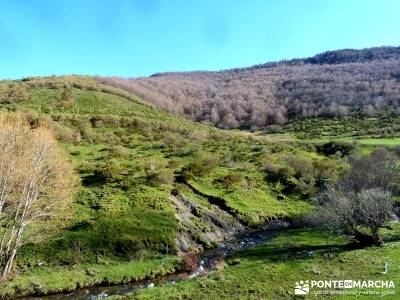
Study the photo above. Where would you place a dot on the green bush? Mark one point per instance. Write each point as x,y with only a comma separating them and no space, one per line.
332,147
88,134
301,165
14,93
231,179
118,151
325,170
66,134
160,176
108,171
286,171
271,168
201,166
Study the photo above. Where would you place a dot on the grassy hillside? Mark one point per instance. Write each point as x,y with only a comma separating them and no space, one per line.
130,157
137,164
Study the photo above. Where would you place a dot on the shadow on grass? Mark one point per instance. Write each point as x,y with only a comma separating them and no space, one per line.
298,249
393,238
279,254
116,235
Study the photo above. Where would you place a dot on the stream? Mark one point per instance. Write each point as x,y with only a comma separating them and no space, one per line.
208,261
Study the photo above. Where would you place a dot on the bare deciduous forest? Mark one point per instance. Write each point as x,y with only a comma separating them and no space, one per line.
331,84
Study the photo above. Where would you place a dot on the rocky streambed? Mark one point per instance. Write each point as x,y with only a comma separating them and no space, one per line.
207,261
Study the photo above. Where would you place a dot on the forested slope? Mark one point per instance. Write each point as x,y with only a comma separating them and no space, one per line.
331,84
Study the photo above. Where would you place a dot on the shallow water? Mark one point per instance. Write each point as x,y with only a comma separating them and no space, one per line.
208,260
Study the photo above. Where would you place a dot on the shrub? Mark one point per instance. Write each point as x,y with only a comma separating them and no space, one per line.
201,166
301,165
271,168
332,147
14,93
326,170
160,176
157,172
118,151
109,138
306,184
86,167
273,129
88,134
105,120
286,172
231,179
108,171
66,134
66,99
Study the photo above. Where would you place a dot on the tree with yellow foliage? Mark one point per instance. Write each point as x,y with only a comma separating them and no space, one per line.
36,185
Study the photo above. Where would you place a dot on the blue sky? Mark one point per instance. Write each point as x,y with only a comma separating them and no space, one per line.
140,37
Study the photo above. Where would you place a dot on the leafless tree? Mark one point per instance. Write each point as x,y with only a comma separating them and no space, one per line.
361,202
36,185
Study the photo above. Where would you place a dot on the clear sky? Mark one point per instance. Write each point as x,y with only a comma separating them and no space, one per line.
140,37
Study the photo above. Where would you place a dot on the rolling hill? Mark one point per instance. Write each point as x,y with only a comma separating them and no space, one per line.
332,84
